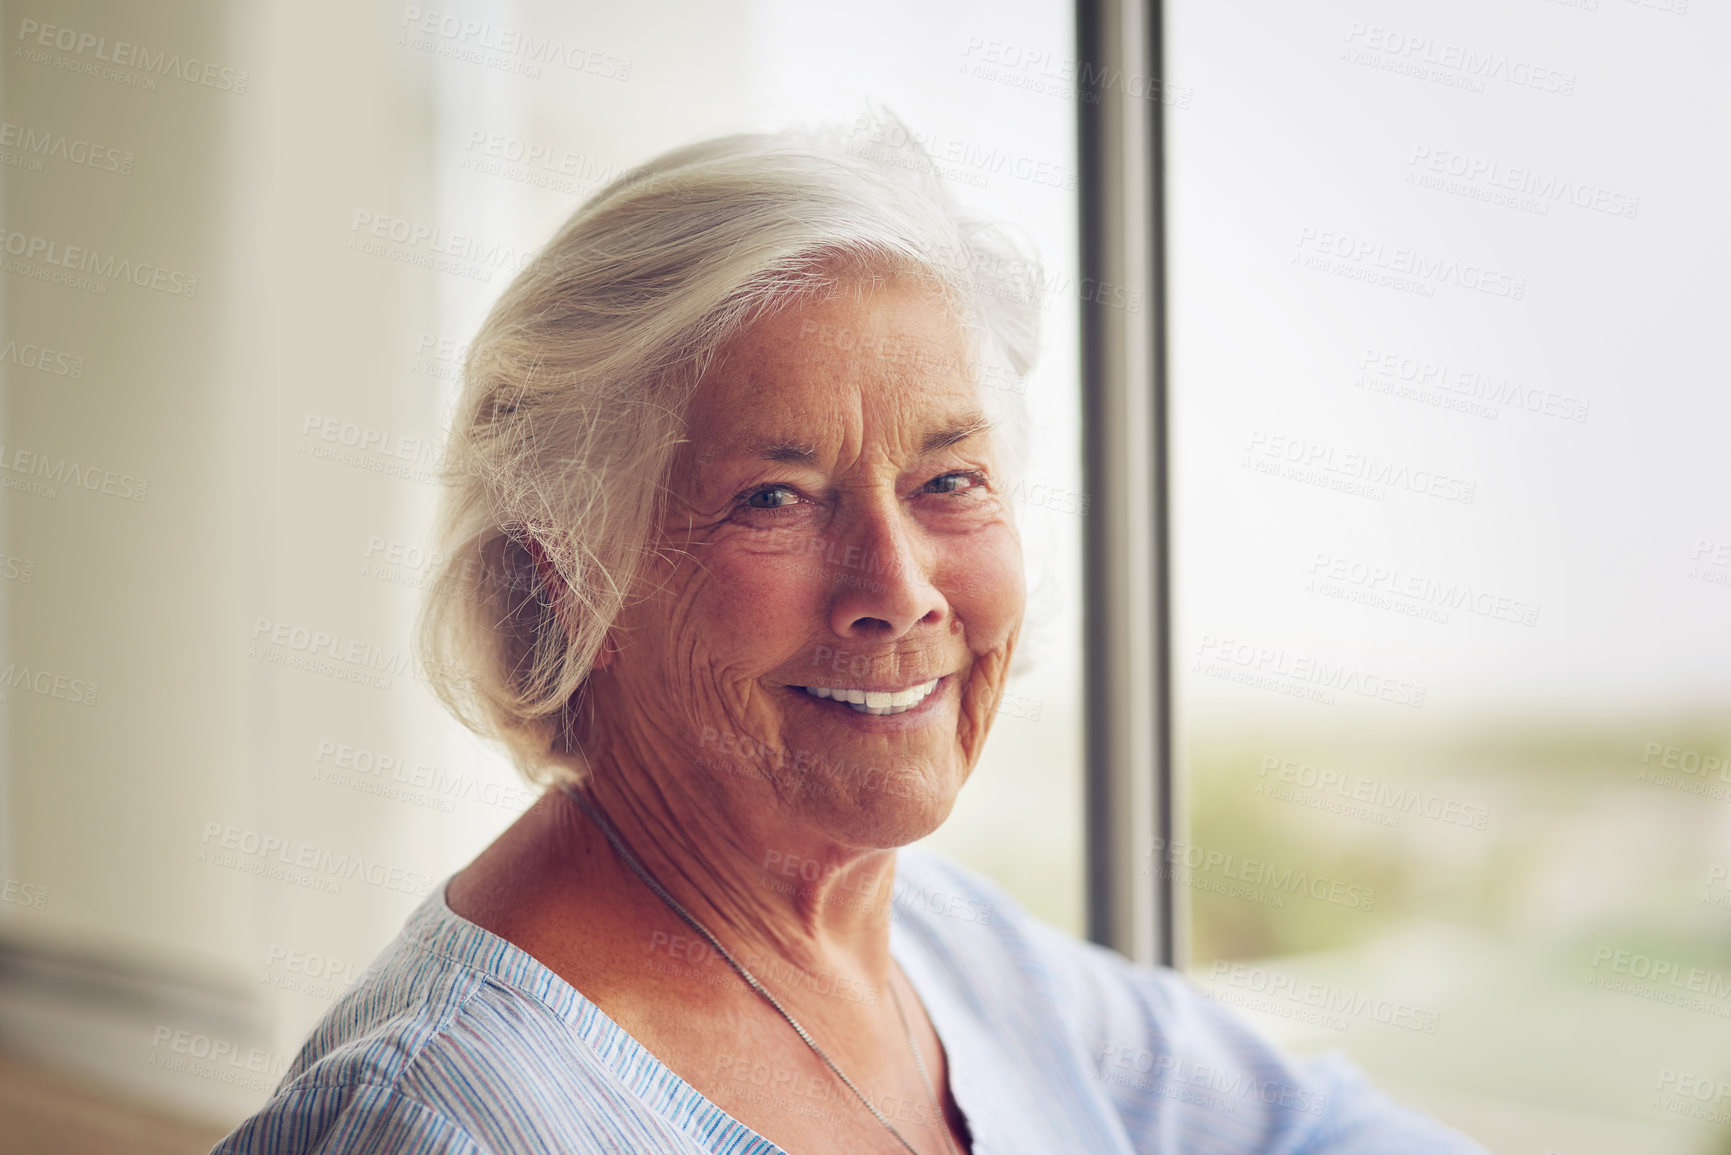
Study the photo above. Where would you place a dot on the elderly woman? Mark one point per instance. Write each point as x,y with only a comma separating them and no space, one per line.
733,571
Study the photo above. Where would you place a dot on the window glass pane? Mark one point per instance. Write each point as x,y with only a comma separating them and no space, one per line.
1452,551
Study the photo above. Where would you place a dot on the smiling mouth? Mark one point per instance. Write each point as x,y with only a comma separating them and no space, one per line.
876,701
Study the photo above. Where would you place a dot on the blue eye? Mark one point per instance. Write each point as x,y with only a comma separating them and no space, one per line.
977,479
771,492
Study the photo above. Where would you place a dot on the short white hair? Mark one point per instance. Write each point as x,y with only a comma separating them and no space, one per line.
576,387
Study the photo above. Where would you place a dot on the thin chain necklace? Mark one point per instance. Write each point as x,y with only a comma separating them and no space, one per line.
638,868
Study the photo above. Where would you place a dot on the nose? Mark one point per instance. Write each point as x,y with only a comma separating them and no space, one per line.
881,574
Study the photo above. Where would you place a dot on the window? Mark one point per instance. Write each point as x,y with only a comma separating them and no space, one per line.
1450,552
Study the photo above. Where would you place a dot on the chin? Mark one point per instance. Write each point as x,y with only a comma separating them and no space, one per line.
883,809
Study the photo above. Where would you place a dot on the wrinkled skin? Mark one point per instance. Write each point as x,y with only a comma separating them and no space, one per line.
874,563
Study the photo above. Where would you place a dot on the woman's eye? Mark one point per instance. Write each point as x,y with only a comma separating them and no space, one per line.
771,497
961,482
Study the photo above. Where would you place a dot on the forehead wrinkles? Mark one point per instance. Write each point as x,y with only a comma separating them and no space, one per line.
816,386
881,420
890,359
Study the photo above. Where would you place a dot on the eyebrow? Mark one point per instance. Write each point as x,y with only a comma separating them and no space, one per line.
971,425
784,452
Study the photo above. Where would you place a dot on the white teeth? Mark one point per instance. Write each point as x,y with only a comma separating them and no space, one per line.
876,702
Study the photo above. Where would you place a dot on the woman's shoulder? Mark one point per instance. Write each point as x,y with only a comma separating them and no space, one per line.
980,945
1181,1070
975,934
944,901
446,1010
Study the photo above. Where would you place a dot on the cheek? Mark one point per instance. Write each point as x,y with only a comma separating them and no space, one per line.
985,585
758,604
717,621
988,594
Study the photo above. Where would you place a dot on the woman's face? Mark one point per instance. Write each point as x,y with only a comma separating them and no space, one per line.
837,525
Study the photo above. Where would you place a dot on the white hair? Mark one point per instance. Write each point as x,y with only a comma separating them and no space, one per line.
576,387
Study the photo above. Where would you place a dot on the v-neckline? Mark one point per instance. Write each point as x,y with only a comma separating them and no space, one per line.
701,1124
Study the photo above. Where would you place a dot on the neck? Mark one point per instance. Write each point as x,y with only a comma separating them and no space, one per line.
764,883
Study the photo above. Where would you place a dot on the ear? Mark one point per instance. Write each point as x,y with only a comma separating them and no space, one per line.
556,588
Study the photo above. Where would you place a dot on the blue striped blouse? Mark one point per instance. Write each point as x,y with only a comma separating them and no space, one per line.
457,1042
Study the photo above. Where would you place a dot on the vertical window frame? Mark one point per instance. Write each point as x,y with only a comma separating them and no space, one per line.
1131,803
